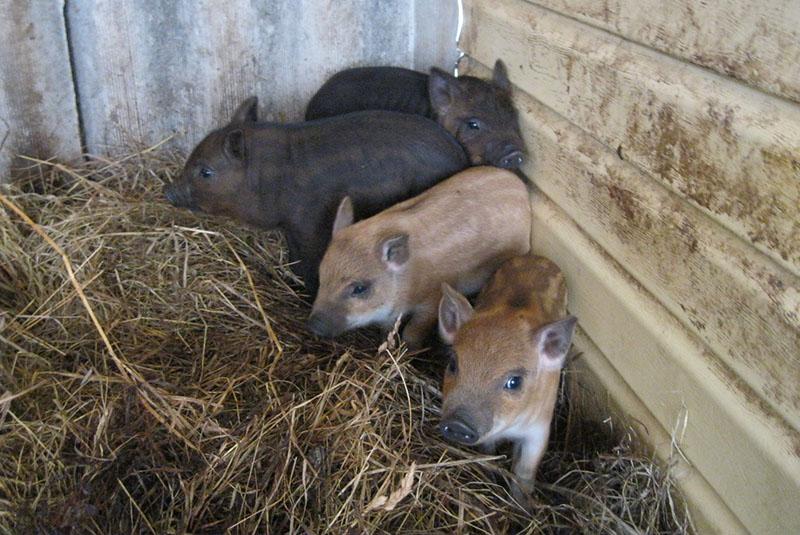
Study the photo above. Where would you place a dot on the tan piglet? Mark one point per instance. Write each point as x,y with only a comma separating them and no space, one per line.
395,262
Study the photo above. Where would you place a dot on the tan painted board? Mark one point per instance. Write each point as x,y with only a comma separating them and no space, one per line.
739,302
613,396
732,151
38,114
743,452
149,68
757,42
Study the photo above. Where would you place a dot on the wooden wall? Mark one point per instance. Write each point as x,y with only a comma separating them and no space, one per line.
144,70
666,151
38,115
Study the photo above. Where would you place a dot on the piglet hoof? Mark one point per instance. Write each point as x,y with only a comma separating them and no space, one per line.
521,492
413,340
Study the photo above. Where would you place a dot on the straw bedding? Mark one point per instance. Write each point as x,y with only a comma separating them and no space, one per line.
156,376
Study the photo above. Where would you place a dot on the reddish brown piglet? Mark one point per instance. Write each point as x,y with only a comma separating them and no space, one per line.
505,361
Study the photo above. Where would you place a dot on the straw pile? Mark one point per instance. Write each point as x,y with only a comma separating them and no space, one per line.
156,377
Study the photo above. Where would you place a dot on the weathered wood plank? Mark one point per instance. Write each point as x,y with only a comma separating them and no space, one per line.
38,114
757,43
731,150
739,302
608,393
745,453
434,39
149,68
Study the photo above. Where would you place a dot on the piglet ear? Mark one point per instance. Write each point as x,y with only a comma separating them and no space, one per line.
454,311
344,215
394,251
500,76
247,112
552,342
442,90
234,145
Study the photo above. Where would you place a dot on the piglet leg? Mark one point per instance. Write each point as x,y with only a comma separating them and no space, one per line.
488,447
420,326
306,251
528,453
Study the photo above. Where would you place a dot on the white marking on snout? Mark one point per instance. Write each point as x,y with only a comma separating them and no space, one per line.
383,316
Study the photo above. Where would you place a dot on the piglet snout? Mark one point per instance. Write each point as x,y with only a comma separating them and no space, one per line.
320,326
176,195
457,429
170,194
512,158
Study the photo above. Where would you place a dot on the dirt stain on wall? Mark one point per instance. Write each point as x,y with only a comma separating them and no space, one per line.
692,157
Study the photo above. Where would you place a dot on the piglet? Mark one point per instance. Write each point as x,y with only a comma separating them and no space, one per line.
394,263
505,361
479,113
292,176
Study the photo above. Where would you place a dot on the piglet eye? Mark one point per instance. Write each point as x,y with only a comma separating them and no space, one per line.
359,289
473,124
205,172
452,364
513,383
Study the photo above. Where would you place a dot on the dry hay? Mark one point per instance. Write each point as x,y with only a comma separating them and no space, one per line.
169,386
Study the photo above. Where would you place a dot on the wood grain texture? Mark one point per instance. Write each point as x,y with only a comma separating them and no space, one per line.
753,42
746,308
148,69
732,151
747,455
38,115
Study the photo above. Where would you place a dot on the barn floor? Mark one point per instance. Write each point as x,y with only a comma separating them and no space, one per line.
157,377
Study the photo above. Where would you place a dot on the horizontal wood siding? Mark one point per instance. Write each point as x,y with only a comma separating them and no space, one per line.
731,151
744,452
755,42
38,115
708,512
670,195
727,293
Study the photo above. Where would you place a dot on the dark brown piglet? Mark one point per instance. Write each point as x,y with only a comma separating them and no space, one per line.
292,177
479,113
